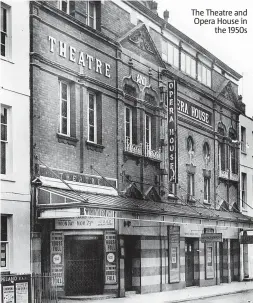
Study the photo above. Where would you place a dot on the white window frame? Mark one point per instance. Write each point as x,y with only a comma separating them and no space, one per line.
8,31
244,189
68,107
60,5
130,141
191,186
95,116
7,245
171,54
206,190
243,140
89,14
8,142
204,74
188,64
149,134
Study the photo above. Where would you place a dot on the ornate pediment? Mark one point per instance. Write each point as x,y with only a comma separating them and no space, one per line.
228,93
140,37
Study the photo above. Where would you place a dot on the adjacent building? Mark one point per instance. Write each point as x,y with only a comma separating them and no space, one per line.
108,134
246,170
15,137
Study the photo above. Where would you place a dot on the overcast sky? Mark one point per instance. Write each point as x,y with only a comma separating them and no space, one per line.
236,50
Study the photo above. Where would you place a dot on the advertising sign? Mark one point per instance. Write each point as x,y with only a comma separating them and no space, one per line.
103,220
174,248
172,132
211,237
57,249
22,292
110,258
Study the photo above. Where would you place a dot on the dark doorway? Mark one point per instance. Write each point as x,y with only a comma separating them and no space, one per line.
83,265
234,259
189,262
131,254
221,261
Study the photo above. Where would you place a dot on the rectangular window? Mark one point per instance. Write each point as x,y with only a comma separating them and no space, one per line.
233,160
4,243
244,190
147,132
128,125
5,30
91,14
67,6
188,65
191,186
6,141
243,139
222,156
170,53
204,74
64,108
92,118
206,190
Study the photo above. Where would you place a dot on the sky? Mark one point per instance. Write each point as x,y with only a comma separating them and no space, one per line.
234,49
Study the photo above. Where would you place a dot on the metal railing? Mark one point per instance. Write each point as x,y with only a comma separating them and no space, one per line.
153,154
133,148
44,288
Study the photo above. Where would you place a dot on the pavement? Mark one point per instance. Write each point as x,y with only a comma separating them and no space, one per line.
174,296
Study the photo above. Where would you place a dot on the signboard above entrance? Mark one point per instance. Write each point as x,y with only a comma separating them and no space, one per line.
211,237
246,238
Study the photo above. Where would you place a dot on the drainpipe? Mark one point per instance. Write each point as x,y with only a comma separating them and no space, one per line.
161,255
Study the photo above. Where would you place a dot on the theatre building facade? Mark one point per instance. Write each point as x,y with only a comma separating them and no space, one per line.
109,132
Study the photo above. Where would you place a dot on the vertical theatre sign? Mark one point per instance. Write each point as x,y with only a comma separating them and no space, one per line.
172,131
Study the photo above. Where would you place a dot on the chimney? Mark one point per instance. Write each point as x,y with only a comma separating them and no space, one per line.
154,7
166,15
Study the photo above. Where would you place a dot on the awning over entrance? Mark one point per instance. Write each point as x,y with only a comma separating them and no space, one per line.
60,200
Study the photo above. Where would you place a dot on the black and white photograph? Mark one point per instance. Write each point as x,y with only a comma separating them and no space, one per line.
126,151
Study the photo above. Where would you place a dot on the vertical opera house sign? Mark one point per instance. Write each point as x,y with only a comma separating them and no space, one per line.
172,131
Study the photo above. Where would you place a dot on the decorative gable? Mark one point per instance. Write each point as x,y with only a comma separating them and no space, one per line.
140,38
228,93
132,191
151,194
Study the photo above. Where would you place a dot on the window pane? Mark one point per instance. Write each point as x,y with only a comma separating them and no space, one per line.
91,9
188,65
170,53
176,57
4,115
183,62
193,68
91,134
91,117
164,50
208,81
204,74
64,126
3,19
64,6
3,254
64,110
127,115
127,130
91,101
4,132
3,158
3,228
64,91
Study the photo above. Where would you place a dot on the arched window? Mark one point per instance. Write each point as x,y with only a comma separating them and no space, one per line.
206,152
190,145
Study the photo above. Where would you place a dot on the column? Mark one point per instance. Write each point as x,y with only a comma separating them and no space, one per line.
201,263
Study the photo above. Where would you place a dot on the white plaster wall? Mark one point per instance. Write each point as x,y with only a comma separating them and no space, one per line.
246,161
15,94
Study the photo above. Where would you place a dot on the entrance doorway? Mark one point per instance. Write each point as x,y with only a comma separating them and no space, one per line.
132,253
83,265
234,259
189,262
